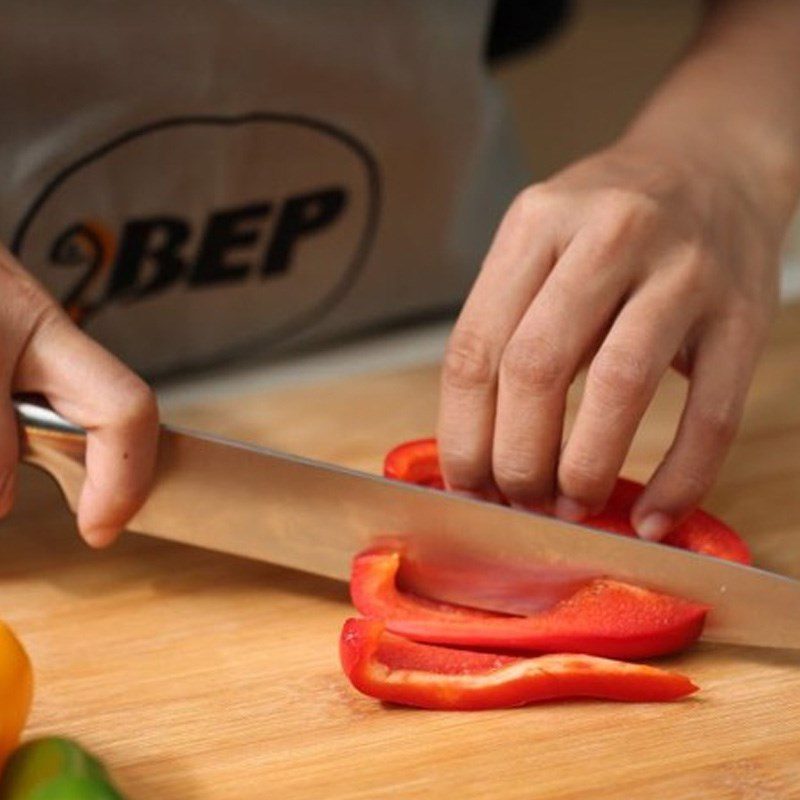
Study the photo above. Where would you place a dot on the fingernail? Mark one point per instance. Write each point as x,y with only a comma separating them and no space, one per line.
570,510
654,527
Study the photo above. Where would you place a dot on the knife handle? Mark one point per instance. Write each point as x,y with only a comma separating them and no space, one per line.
53,444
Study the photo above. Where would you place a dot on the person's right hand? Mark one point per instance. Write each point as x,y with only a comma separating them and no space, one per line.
42,351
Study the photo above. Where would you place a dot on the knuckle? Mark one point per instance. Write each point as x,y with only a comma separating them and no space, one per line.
135,404
468,361
462,470
517,477
620,374
626,205
534,364
583,476
719,425
532,200
624,213
696,274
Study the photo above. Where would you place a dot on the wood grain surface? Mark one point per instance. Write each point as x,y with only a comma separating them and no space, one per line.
197,675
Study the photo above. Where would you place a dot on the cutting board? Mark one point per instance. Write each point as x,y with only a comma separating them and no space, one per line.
198,675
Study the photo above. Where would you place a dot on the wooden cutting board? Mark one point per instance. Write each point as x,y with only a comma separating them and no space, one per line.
197,675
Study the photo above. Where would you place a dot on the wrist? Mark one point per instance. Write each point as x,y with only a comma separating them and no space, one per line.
732,104
756,163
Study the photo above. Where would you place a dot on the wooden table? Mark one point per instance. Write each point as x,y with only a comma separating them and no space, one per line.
197,675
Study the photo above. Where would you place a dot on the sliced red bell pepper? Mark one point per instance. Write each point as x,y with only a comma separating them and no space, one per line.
393,669
603,618
418,462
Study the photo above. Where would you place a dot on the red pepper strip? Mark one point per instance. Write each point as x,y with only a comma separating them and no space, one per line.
418,462
396,670
604,618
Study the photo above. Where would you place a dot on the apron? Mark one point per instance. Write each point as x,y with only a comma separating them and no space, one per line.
196,178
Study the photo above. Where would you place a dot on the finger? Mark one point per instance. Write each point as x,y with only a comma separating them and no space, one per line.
620,384
24,303
575,304
90,387
523,252
723,368
9,446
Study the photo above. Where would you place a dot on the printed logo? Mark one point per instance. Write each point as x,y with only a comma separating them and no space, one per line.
274,213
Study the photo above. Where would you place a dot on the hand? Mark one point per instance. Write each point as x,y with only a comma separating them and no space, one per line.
42,351
635,259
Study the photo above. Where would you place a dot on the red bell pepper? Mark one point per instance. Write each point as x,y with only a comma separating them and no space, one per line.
393,669
418,462
603,618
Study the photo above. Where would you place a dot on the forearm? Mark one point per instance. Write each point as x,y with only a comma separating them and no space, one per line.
735,97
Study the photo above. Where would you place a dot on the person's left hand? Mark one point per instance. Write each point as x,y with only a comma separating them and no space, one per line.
633,259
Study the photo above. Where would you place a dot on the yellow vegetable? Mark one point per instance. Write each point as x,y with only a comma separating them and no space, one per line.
16,690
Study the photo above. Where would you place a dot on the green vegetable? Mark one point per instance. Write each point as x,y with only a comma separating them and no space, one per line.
54,768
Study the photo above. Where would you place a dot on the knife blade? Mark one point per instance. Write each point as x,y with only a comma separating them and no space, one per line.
295,512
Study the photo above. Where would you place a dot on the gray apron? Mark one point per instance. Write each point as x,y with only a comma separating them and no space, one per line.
192,178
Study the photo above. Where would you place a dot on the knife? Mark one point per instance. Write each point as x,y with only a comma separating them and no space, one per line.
263,504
